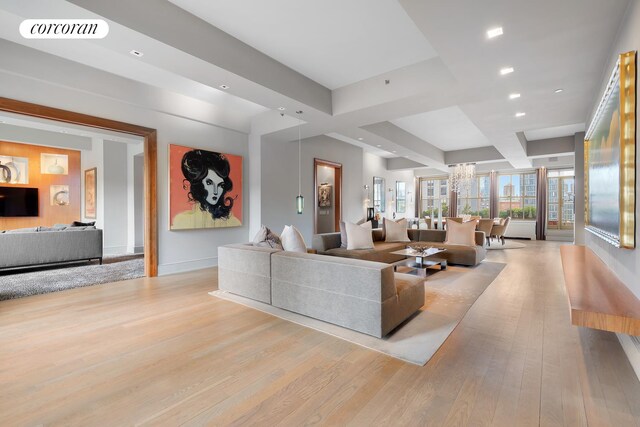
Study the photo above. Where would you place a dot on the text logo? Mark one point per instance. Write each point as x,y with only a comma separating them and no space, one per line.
64,29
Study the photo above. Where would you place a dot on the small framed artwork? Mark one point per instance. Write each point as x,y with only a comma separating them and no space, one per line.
54,164
14,170
324,195
59,195
90,193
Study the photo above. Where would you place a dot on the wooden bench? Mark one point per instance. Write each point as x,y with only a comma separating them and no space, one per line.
597,298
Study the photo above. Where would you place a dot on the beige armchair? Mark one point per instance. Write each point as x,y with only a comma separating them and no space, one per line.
500,230
486,225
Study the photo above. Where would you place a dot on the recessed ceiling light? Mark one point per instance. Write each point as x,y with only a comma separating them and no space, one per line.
506,70
407,157
360,139
136,53
514,95
378,145
223,87
281,108
64,131
394,151
494,32
559,90
520,114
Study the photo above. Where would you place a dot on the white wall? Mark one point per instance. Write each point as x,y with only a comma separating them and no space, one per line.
89,159
624,262
114,198
280,181
377,166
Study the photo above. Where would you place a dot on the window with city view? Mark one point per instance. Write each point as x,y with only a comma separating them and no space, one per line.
517,196
475,201
434,195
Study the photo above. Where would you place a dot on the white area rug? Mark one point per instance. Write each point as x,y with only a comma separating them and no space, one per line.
508,244
449,295
22,283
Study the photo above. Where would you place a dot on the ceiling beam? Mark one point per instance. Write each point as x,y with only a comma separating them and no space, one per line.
473,155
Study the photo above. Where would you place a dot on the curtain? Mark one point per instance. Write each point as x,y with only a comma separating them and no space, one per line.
541,204
453,204
494,196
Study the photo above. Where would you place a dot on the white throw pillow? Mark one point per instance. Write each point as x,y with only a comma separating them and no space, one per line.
359,236
395,231
461,234
265,238
292,240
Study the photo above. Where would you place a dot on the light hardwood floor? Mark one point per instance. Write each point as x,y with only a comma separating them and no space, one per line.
163,352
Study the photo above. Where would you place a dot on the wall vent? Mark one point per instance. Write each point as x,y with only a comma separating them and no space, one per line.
553,159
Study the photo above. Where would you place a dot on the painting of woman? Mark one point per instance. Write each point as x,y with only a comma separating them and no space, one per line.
209,191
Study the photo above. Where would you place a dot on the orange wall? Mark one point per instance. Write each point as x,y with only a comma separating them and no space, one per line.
49,215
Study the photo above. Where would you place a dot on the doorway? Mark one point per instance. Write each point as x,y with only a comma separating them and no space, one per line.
560,205
327,179
149,160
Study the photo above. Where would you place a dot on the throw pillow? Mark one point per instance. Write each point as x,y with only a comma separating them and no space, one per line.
265,238
359,236
395,231
461,233
343,235
82,224
292,240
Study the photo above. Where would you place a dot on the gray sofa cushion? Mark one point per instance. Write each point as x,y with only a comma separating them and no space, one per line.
49,247
245,270
359,295
22,230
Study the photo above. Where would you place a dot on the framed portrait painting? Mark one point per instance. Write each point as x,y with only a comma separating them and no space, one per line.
205,189
324,195
609,159
90,193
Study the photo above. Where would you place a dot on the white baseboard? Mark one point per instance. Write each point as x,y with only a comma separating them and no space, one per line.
135,249
114,250
184,266
631,346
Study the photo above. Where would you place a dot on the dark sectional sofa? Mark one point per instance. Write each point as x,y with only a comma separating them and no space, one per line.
329,244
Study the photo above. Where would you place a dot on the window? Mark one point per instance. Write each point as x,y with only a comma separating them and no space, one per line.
560,200
475,201
401,197
378,194
517,196
434,195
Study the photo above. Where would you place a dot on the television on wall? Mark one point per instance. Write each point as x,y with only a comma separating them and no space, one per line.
18,201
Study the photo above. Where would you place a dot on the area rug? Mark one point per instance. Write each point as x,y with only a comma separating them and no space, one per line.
449,295
17,284
508,244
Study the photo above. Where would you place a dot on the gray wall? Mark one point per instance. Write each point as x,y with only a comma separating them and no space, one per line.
279,171
624,262
115,197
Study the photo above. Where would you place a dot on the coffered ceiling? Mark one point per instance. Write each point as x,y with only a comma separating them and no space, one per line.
401,78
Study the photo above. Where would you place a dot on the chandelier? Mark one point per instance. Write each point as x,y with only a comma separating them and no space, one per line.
461,177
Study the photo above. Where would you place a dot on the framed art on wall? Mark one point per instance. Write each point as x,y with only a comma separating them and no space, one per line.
90,193
59,195
205,189
14,170
54,164
609,159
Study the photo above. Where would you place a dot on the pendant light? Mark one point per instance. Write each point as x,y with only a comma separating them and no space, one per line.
299,198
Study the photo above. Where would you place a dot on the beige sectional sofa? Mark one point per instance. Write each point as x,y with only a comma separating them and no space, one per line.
362,295
329,244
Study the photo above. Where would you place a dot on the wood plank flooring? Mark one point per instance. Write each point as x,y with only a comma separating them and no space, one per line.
162,352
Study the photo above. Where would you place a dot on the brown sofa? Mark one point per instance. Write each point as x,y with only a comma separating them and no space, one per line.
329,244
